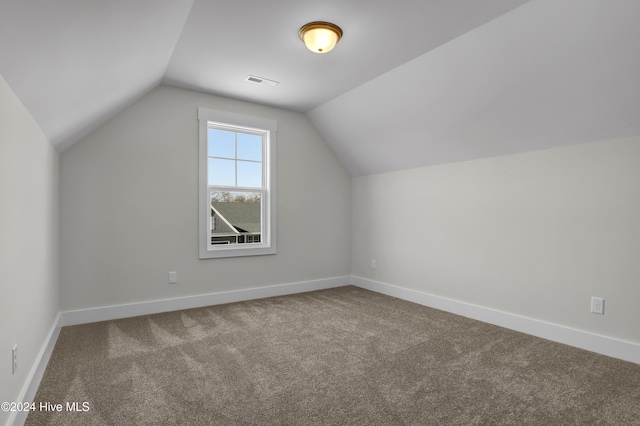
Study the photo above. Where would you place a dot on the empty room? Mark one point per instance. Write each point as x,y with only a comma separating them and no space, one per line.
290,212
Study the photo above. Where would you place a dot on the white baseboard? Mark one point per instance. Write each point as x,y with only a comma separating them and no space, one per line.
615,348
17,418
157,306
145,308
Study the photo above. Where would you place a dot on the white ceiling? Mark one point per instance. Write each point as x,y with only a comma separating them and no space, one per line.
547,74
76,63
412,83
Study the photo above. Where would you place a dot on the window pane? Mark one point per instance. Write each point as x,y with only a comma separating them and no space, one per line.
249,147
222,143
237,217
221,172
249,174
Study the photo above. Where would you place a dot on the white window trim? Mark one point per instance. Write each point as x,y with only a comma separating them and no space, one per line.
268,235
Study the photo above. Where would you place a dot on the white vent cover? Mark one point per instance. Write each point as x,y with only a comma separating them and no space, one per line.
262,80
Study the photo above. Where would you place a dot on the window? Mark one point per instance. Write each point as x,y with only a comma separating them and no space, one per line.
237,185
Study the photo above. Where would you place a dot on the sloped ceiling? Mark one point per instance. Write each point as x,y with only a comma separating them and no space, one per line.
76,63
412,83
549,73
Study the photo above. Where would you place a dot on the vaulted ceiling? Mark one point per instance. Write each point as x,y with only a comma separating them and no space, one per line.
412,82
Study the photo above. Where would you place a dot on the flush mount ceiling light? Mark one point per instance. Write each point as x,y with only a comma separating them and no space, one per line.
319,36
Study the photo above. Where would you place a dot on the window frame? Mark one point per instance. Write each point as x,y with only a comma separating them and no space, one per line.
267,244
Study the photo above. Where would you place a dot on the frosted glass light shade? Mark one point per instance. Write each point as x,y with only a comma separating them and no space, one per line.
320,37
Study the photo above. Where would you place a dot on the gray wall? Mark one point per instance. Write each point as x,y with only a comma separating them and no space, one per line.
29,291
534,234
129,207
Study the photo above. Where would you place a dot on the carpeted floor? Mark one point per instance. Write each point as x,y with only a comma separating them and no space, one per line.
343,356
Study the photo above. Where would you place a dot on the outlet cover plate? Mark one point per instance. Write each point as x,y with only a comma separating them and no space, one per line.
597,305
14,359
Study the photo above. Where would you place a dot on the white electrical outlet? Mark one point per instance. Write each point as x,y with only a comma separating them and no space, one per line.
597,305
173,277
374,264
14,359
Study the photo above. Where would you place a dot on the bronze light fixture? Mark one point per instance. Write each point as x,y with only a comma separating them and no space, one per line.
320,36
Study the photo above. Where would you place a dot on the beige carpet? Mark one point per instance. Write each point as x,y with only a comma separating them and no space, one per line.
344,356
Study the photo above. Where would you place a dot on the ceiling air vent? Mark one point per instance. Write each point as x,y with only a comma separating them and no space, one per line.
261,80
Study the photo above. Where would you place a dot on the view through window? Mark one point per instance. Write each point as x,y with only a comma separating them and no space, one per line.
239,196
